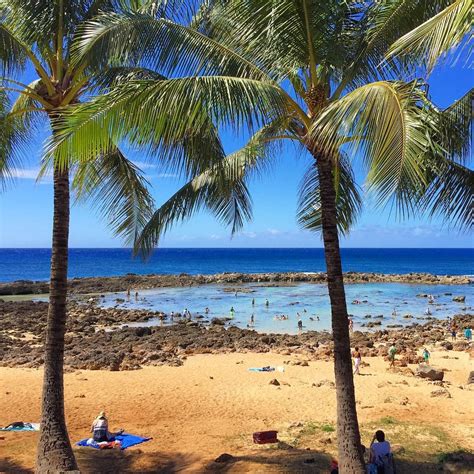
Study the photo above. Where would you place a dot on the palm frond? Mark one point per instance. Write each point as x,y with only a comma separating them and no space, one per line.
14,137
435,37
381,24
161,114
348,197
116,187
221,188
395,130
138,39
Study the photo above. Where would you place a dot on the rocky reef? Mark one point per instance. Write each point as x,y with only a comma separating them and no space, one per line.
122,283
100,338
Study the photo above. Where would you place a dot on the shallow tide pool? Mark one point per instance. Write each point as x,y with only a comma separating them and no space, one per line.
309,301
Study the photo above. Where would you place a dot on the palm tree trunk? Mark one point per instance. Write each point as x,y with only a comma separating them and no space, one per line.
54,449
348,435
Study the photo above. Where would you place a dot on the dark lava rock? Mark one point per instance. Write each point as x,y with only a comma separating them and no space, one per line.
224,458
470,379
274,382
428,372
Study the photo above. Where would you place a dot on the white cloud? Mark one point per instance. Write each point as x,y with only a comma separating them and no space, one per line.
31,173
143,165
274,231
161,176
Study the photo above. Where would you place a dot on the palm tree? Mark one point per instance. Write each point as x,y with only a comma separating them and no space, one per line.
39,35
300,70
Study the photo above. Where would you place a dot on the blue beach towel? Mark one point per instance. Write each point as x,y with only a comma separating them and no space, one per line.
126,441
262,369
21,426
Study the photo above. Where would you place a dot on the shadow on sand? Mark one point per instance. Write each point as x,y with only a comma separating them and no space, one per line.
261,461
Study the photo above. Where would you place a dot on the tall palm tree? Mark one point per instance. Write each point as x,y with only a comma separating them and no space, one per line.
39,36
301,70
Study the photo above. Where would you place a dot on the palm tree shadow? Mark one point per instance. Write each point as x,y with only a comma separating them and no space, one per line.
114,461
282,460
9,465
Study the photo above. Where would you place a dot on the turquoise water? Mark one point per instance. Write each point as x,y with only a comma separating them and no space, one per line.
309,300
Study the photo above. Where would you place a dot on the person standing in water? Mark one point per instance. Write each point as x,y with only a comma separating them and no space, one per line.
267,303
252,320
232,311
253,301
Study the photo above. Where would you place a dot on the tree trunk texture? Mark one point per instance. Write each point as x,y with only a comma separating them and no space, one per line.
348,435
54,449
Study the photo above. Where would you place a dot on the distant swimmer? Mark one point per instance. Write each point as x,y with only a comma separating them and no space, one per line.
317,317
427,312
394,312
253,301
304,310
128,293
236,294
311,318
267,303
207,310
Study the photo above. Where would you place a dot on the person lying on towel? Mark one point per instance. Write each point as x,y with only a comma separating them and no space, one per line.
100,429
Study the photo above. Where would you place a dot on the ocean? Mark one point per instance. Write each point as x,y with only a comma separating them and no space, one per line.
33,264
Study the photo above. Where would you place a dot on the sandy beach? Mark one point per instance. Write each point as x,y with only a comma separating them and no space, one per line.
212,404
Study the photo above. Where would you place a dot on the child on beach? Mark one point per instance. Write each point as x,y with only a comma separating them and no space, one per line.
426,355
357,360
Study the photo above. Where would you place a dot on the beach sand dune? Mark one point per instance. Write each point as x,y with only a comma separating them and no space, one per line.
212,405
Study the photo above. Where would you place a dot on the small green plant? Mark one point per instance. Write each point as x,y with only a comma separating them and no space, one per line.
327,428
387,420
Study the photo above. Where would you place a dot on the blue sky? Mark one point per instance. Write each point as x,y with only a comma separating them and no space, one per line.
26,207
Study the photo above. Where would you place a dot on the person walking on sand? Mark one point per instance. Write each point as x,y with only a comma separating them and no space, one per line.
454,330
468,334
351,324
357,360
391,355
426,355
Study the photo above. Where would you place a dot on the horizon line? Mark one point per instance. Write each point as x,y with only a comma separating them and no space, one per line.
244,248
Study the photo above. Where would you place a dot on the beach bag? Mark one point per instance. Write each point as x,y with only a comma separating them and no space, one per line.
264,437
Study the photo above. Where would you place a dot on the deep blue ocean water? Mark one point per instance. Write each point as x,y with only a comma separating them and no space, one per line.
33,264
